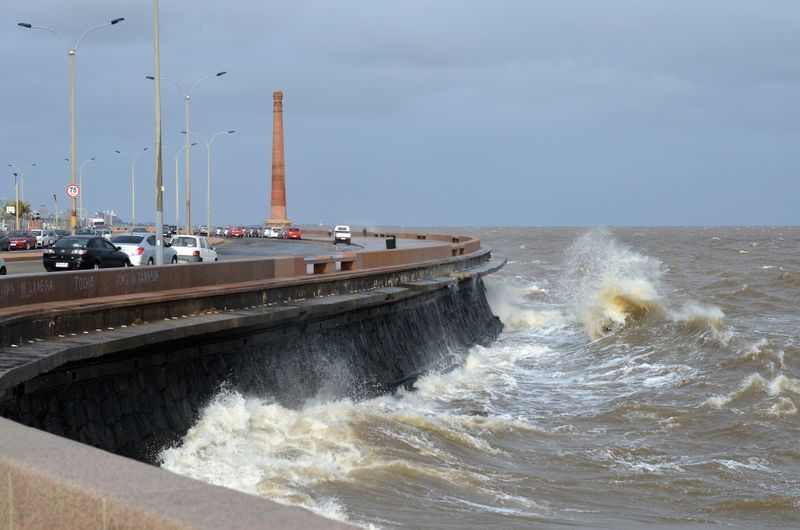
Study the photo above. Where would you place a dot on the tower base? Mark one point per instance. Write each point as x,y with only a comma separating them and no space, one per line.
278,223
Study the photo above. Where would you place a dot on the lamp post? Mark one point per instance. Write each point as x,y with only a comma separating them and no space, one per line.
21,178
81,186
133,183
19,188
72,52
55,208
177,206
186,97
16,200
208,180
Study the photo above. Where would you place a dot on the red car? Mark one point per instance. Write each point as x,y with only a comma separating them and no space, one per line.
293,233
236,231
21,239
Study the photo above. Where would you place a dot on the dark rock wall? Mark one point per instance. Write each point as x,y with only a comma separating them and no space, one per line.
138,410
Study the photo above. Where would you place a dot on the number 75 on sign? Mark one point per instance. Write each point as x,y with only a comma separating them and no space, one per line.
73,191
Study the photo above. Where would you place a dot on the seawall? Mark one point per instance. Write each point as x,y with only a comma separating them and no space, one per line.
128,372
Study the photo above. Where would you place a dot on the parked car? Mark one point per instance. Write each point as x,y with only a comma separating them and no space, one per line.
341,234
139,230
4,242
21,239
53,237
43,239
60,233
293,233
141,248
3,270
193,249
104,232
83,252
236,231
273,232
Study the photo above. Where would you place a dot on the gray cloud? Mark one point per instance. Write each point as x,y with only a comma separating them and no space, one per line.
446,112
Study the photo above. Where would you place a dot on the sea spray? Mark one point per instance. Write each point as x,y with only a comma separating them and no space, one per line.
607,285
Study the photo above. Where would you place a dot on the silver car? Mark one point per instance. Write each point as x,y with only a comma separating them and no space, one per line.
141,248
44,238
194,249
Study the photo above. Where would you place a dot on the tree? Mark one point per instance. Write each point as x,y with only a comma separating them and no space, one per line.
24,210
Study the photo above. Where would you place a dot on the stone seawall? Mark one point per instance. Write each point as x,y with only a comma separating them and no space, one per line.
124,360
133,401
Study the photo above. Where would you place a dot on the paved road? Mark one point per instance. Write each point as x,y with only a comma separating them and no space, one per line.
238,249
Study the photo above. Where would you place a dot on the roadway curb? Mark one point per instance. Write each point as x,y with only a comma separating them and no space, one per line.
27,256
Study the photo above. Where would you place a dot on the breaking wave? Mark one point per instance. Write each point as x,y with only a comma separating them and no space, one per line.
609,286
301,457
757,385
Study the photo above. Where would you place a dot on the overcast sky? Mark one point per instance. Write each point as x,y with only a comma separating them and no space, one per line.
437,112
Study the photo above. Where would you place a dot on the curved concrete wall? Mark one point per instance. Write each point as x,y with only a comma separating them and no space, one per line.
278,330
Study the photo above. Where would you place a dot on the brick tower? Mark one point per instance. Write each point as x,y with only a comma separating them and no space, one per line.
277,216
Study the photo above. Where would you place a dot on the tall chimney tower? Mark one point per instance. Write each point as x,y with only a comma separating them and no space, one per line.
277,216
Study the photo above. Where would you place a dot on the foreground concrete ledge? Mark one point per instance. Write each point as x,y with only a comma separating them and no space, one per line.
51,482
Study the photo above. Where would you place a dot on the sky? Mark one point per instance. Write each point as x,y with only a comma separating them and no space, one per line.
418,113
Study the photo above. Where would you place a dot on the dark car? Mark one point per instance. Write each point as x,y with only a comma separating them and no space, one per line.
4,242
21,239
83,252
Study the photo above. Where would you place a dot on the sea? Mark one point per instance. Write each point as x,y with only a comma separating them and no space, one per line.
645,377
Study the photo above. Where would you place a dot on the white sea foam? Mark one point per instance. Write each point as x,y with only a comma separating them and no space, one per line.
698,317
509,304
296,456
755,384
781,408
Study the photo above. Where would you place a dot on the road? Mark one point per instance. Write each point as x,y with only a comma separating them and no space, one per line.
233,249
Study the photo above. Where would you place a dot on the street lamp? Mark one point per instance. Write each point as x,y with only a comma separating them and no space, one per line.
19,187
177,207
80,185
21,178
133,183
208,180
16,200
186,97
72,52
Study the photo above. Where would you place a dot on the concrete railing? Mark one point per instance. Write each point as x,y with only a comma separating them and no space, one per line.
16,291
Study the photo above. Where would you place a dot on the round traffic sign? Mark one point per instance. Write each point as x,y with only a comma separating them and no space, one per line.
73,191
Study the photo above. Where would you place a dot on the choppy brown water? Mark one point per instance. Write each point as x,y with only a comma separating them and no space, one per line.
645,376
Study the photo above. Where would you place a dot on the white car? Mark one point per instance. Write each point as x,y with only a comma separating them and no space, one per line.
193,249
44,238
341,234
273,232
141,248
3,270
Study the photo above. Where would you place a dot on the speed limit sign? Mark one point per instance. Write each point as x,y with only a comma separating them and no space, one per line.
73,191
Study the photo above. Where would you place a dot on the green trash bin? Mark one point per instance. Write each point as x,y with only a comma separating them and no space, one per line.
391,242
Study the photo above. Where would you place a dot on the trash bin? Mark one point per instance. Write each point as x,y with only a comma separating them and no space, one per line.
391,242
